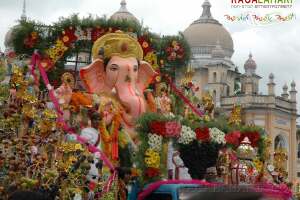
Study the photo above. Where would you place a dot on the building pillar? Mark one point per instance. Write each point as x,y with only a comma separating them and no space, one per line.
271,85
293,93
285,94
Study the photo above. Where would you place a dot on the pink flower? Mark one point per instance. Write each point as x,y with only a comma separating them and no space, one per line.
172,129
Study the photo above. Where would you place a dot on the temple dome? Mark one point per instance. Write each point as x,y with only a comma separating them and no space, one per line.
203,34
250,65
124,14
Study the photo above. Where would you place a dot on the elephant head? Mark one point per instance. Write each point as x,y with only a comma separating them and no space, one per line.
123,72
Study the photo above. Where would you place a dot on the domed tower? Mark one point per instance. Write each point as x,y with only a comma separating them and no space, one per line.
250,65
124,14
250,80
202,36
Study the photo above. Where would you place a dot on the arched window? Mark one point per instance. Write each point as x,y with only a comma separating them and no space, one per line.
215,77
280,142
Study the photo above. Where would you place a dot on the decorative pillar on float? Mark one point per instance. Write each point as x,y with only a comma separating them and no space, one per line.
244,171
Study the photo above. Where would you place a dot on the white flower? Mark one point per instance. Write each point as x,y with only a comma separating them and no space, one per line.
217,136
187,135
155,141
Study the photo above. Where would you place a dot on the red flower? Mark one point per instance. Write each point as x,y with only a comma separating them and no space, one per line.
92,186
46,63
31,40
202,134
158,128
97,33
68,36
169,50
145,44
152,172
233,138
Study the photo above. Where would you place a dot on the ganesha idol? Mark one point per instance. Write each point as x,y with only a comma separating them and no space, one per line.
118,71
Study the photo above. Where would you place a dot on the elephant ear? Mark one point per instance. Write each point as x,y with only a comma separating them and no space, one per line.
146,75
93,77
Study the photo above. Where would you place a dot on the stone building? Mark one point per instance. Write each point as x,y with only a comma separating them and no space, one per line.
212,48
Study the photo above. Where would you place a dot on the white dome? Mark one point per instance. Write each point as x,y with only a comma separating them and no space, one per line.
203,34
124,14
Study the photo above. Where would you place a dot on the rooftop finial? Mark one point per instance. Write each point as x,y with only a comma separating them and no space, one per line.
23,16
123,6
206,14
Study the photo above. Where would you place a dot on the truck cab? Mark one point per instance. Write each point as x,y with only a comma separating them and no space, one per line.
173,192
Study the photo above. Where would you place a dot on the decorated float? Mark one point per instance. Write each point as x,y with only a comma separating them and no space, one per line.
122,122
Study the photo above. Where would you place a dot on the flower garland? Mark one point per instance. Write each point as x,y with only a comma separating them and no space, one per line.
72,34
110,140
199,144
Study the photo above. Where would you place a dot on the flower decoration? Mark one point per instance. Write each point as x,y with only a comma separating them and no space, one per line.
173,129
187,135
202,134
46,63
151,58
145,43
97,33
158,127
68,36
233,138
57,51
155,141
217,136
258,164
152,172
31,40
152,158
175,51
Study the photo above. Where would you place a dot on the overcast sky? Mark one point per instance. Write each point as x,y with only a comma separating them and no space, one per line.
275,48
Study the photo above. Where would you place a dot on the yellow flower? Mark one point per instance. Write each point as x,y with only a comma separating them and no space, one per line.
152,158
78,147
258,164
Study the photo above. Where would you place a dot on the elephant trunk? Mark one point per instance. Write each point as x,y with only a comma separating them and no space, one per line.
131,98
